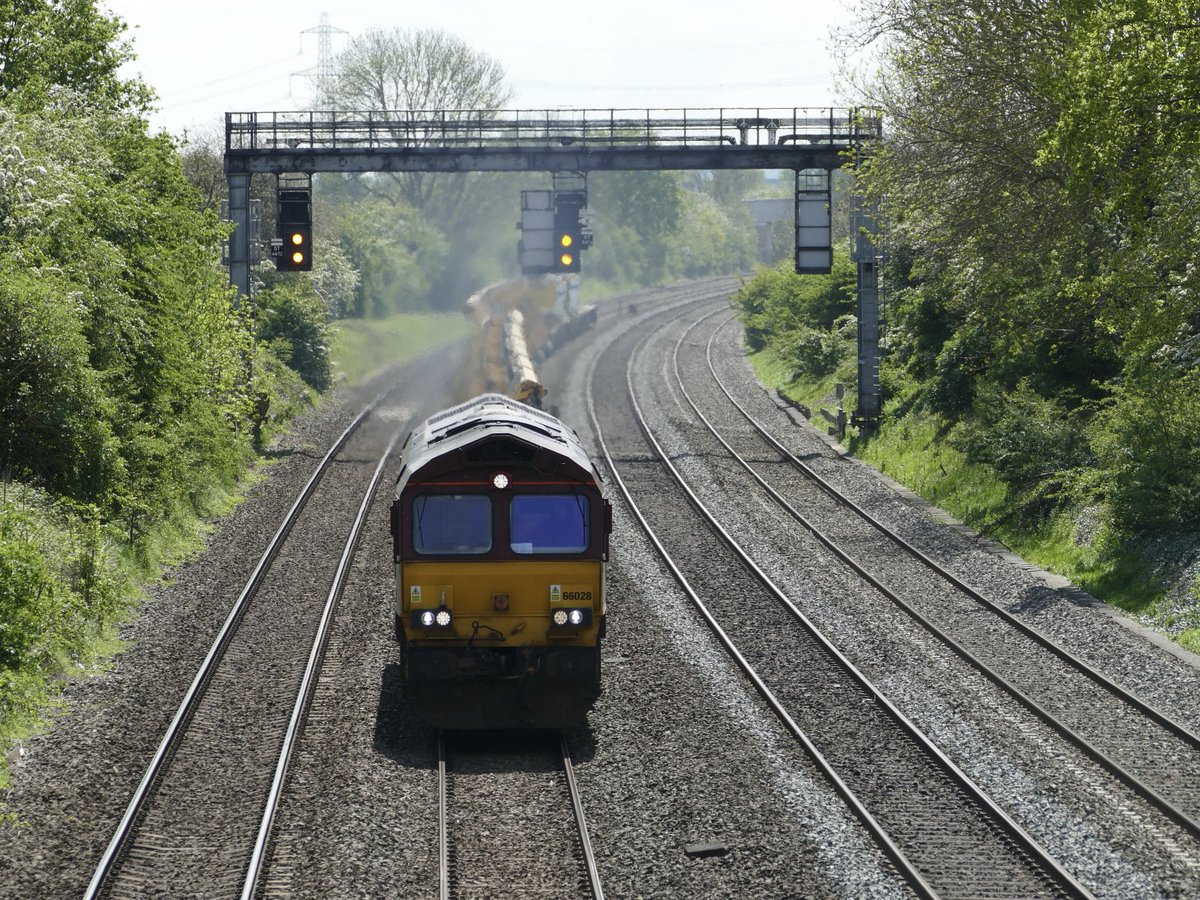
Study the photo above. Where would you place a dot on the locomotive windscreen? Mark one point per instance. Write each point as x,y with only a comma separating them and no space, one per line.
549,523
452,523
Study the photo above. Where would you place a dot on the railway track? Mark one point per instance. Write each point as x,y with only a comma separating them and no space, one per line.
938,856
944,836
1155,756
200,819
510,814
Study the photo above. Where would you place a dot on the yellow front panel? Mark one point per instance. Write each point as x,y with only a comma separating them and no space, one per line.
469,590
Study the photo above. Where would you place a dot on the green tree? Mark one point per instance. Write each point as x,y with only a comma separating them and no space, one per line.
53,44
1127,140
426,71
1040,190
150,335
711,238
54,406
634,213
395,251
335,280
442,80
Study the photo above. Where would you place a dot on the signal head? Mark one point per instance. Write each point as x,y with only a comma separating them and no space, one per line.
297,249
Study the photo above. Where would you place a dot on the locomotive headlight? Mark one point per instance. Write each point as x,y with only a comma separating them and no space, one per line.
572,618
443,617
500,480
427,618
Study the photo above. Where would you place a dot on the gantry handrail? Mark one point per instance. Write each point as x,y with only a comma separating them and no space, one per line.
332,130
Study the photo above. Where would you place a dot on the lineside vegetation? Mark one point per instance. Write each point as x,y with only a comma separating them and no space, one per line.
1040,192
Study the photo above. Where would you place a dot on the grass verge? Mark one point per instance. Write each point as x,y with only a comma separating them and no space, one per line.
360,347
67,582
775,372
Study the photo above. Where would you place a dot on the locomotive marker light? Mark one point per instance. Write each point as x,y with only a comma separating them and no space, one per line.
571,618
428,618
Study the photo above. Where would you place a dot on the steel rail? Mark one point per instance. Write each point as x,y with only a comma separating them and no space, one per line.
308,681
1179,730
1116,769
175,729
585,840
1064,879
891,850
443,825
1099,678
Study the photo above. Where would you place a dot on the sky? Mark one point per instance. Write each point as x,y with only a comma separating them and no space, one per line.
208,58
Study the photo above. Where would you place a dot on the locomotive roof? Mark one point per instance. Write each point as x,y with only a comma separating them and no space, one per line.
487,416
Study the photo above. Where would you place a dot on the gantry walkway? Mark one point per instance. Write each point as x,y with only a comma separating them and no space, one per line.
578,140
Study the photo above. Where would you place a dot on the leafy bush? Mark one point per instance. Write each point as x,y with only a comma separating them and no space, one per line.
26,590
764,302
59,587
294,323
814,353
1029,441
963,359
779,307
1147,439
52,401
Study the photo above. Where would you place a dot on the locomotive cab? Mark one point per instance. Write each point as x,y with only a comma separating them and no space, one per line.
500,536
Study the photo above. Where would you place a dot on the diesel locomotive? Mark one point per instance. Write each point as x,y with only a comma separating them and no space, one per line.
500,538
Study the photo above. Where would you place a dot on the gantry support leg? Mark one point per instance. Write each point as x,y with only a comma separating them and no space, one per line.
239,241
867,258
